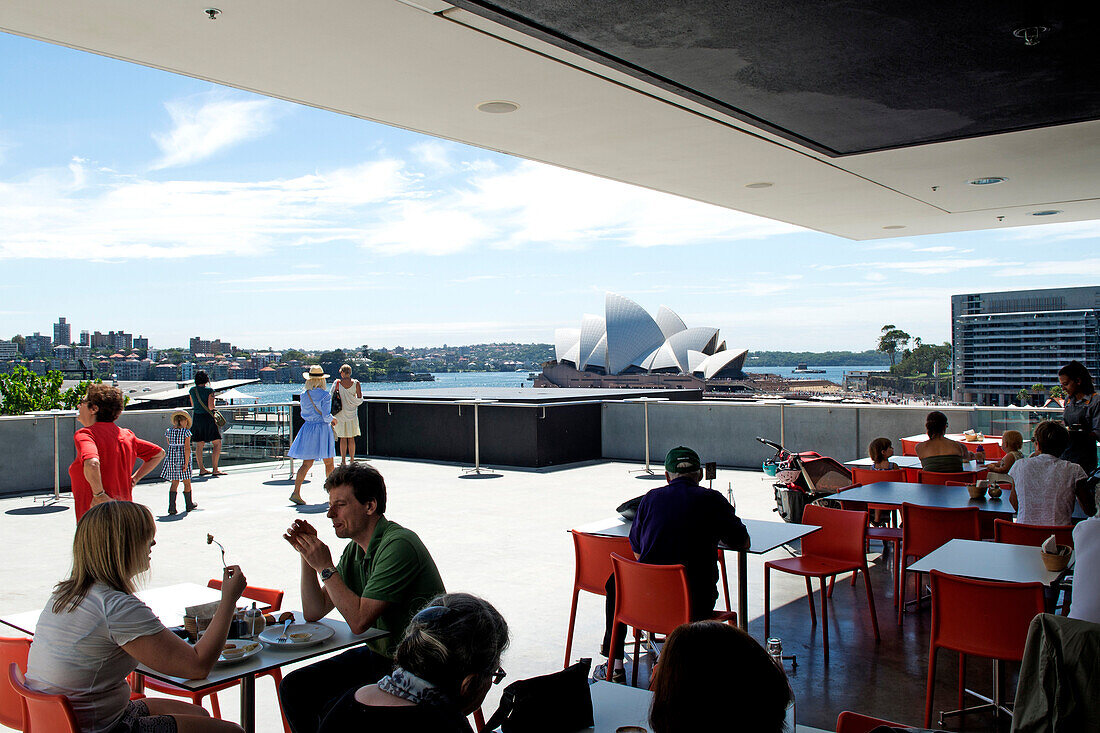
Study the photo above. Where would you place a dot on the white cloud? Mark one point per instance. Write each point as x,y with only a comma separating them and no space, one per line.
1069,268
205,124
1056,232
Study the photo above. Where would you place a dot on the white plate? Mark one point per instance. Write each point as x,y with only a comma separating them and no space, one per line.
318,633
257,647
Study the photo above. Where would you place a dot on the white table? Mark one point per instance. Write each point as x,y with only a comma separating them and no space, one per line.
912,462
763,537
618,705
988,561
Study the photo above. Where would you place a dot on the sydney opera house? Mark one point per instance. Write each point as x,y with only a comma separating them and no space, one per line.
629,341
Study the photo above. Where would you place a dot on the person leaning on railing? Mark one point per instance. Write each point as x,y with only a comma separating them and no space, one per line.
105,453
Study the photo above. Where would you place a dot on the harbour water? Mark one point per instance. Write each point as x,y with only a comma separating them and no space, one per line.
269,393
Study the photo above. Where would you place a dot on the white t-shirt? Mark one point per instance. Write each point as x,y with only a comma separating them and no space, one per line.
1045,489
1086,571
79,654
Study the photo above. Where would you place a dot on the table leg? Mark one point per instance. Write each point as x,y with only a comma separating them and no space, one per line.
743,590
248,703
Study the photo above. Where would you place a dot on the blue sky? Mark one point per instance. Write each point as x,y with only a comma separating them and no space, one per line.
140,200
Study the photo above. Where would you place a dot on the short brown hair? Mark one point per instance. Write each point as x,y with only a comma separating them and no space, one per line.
1012,440
1051,438
107,400
695,681
877,449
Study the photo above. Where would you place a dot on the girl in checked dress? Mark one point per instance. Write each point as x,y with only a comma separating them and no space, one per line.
177,463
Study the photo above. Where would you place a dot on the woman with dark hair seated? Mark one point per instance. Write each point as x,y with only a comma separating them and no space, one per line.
940,454
443,668
103,468
710,671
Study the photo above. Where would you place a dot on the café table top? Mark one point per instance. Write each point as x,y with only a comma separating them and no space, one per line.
168,603
987,441
614,706
913,462
764,536
988,561
931,495
270,657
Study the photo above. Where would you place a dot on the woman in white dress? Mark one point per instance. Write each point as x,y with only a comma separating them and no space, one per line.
347,420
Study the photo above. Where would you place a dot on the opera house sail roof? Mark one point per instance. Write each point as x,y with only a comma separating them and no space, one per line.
629,340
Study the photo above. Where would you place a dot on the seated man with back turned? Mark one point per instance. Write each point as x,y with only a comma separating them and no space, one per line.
384,576
679,524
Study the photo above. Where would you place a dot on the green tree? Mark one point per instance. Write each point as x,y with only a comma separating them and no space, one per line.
1057,393
1038,388
1023,397
20,342
891,340
24,391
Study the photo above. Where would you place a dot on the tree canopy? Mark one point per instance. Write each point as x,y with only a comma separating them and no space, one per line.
891,339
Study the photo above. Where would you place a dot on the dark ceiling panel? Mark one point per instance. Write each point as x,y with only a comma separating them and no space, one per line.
842,77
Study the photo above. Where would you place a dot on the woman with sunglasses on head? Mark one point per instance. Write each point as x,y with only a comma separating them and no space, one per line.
443,668
103,468
94,632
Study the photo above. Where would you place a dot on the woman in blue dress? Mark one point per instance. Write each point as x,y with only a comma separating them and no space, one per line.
315,439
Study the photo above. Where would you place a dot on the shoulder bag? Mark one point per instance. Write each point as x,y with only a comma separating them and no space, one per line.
554,703
337,402
219,418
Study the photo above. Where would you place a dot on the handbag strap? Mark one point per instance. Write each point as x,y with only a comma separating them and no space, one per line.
507,703
317,409
200,403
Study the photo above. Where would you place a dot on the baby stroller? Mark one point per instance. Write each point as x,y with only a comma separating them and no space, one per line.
802,478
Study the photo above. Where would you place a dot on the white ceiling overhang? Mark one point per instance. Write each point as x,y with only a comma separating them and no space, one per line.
427,66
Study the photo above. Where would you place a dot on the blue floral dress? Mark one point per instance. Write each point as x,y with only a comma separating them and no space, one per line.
177,461
315,439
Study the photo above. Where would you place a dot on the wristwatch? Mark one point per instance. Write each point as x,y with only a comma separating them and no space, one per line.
327,573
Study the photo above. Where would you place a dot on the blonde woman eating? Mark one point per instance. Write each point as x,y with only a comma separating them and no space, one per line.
94,632
314,440
347,419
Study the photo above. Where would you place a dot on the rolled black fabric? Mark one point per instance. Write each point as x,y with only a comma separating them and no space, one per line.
554,703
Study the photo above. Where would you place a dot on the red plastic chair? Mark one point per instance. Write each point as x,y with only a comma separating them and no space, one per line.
13,650
592,568
273,601
849,722
653,598
1014,533
942,479
838,547
926,528
42,713
909,447
980,618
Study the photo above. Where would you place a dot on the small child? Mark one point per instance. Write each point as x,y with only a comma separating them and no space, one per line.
177,462
1012,441
880,451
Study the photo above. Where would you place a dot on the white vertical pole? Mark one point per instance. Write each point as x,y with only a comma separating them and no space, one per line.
477,444
645,406
56,462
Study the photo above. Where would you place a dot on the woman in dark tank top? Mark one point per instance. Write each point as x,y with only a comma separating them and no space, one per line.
938,453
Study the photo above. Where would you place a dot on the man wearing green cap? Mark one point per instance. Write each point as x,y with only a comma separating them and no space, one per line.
679,524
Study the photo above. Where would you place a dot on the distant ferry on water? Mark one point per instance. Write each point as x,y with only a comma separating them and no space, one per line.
803,368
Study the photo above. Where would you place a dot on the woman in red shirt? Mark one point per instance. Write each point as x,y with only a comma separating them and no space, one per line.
104,465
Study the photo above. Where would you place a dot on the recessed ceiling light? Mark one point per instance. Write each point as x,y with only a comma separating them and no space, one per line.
762,184
1046,212
894,226
498,107
987,181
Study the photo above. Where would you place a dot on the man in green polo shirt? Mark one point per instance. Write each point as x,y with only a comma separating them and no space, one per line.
385,575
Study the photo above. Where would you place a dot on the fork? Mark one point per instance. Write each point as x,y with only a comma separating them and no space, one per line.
286,629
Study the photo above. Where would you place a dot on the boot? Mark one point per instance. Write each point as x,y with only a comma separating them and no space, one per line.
188,504
172,502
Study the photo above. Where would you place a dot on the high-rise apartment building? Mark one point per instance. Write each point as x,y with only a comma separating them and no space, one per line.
8,350
99,340
141,343
120,340
38,345
85,339
62,332
199,345
1002,342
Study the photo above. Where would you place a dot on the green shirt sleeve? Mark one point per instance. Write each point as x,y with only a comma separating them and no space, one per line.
395,569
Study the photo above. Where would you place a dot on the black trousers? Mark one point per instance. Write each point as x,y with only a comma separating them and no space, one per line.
309,692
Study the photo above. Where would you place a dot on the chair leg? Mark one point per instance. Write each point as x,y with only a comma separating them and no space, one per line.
214,706
962,678
871,602
810,598
824,619
479,720
637,646
901,587
832,584
725,579
572,623
930,688
277,676
767,601
897,560
855,575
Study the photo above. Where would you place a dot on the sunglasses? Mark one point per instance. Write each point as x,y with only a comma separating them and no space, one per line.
499,675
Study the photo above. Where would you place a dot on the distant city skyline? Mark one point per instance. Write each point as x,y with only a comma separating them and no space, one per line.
172,207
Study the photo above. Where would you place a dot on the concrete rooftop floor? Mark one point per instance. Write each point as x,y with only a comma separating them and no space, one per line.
504,538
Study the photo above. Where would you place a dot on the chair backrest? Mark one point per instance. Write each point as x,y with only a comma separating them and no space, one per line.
849,722
924,528
13,650
1014,533
843,534
593,559
934,477
864,476
650,597
982,617
909,447
271,598
42,713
